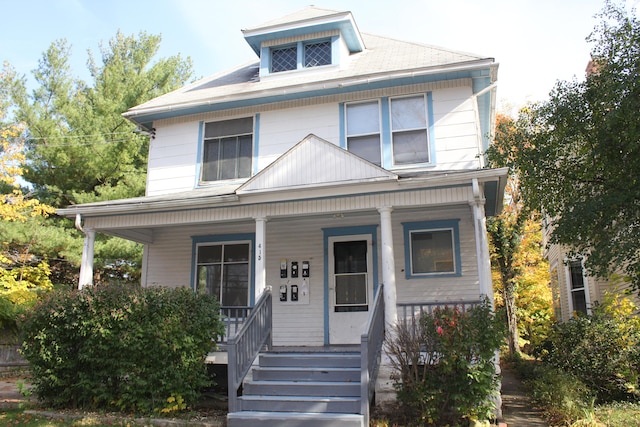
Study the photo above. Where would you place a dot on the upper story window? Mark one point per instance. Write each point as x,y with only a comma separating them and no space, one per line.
227,149
391,132
300,55
410,138
363,131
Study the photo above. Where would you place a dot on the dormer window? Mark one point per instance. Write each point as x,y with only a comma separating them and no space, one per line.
300,55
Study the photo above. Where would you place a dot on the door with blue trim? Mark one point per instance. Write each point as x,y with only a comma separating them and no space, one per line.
350,287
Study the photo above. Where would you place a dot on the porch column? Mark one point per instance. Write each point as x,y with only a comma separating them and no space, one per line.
86,268
388,266
260,269
482,243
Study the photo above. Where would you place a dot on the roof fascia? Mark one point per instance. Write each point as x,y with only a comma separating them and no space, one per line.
342,21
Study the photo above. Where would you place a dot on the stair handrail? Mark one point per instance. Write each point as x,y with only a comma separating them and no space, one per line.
370,353
244,346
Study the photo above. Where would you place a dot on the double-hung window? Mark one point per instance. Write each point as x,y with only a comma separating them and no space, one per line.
432,248
409,130
301,55
363,131
227,150
222,269
391,132
577,287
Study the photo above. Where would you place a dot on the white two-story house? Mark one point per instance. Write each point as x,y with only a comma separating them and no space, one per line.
330,187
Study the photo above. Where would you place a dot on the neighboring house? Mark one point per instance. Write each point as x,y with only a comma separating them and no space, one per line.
342,170
574,292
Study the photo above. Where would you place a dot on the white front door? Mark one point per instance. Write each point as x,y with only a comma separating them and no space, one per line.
350,287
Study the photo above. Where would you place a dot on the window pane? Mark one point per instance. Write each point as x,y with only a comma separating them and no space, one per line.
579,301
245,154
236,253
408,113
410,147
284,59
577,281
350,257
363,118
228,156
432,252
209,254
351,289
210,160
367,147
316,54
229,128
209,279
235,289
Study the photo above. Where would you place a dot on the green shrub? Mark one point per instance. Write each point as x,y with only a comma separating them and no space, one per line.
120,347
445,370
602,350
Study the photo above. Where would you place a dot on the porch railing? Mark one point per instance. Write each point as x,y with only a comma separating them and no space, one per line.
243,347
233,318
411,312
370,353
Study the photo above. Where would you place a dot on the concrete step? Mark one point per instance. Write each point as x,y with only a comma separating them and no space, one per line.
301,388
316,360
293,419
278,373
315,404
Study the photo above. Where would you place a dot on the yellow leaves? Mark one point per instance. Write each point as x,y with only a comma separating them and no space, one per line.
16,207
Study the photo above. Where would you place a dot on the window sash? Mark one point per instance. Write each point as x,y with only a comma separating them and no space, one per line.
432,251
284,59
578,290
227,150
317,54
409,130
223,270
363,131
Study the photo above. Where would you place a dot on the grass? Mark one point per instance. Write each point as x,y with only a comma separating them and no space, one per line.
620,414
17,417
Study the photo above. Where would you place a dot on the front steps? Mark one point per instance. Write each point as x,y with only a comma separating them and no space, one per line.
301,389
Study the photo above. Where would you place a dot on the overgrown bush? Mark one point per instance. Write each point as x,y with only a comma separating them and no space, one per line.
120,347
602,350
445,370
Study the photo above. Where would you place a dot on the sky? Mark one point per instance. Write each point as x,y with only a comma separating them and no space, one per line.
536,42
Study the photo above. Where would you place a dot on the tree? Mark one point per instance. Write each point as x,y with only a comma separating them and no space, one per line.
577,155
22,276
79,148
516,253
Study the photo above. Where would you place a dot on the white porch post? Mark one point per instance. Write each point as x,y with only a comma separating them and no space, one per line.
260,269
482,243
86,268
388,266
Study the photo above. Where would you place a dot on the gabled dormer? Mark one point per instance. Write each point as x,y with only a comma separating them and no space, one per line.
309,40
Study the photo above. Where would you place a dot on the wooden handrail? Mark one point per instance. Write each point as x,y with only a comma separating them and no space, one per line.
370,352
244,346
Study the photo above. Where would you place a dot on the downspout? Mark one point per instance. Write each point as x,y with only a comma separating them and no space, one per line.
86,266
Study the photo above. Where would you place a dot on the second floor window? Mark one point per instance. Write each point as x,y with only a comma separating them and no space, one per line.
409,130
363,131
228,149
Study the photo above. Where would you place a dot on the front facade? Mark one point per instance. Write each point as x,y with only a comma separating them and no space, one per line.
335,164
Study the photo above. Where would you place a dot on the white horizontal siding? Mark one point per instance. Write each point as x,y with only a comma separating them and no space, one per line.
301,239
172,159
282,129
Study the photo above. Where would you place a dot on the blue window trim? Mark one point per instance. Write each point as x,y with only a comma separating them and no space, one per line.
224,238
346,231
266,60
409,227
385,133
200,153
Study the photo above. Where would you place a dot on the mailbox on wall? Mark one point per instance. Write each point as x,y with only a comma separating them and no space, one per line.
294,282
